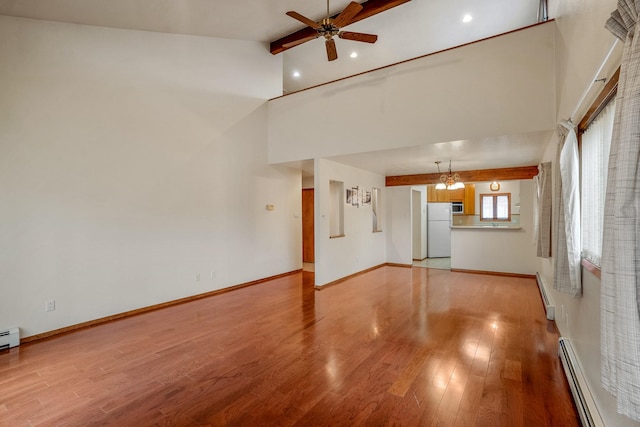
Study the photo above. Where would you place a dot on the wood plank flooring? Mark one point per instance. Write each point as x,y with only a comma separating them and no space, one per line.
394,346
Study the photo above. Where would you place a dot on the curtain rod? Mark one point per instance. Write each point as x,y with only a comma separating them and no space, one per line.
594,79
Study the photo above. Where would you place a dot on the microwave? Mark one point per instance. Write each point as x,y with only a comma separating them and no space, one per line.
457,208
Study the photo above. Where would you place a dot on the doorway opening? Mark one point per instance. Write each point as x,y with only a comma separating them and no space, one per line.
431,224
308,226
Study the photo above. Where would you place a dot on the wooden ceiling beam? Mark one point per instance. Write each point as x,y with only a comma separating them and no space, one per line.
483,175
369,8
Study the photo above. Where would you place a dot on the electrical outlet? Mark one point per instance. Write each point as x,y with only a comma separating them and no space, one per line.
198,277
50,305
213,274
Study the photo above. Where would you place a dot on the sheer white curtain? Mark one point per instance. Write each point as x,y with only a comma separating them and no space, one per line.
620,287
542,210
567,269
596,141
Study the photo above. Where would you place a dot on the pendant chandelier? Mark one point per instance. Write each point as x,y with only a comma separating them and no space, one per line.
449,180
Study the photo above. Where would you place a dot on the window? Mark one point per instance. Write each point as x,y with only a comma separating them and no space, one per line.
495,207
595,143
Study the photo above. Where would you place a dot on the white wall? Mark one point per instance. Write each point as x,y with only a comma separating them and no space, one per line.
582,43
307,182
454,95
512,187
419,221
506,251
130,162
398,223
360,248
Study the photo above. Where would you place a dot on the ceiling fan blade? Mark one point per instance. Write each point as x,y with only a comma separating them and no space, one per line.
332,54
369,9
304,20
347,14
359,37
300,41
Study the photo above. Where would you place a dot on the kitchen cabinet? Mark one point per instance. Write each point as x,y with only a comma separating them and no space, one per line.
434,195
467,195
456,195
470,199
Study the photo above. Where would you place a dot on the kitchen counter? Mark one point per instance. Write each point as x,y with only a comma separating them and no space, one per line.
504,248
486,227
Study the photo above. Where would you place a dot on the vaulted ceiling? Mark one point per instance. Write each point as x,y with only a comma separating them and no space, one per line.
412,29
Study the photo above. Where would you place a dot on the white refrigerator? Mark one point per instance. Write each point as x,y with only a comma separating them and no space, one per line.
438,230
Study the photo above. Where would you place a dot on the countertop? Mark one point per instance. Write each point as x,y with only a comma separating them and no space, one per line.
486,227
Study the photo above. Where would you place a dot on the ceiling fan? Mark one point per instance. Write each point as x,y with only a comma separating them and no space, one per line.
330,27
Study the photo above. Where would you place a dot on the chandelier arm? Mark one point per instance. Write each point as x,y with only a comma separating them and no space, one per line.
449,179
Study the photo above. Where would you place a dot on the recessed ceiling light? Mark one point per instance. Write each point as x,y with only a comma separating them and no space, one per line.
296,74
354,54
467,18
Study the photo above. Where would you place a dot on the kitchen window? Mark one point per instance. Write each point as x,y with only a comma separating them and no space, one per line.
495,207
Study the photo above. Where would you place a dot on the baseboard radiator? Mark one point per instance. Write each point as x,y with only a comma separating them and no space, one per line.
586,406
549,306
9,338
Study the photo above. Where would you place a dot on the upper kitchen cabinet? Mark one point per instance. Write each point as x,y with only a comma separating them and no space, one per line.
434,195
456,195
466,195
470,199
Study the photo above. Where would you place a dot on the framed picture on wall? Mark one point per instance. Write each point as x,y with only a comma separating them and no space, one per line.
367,198
355,199
349,196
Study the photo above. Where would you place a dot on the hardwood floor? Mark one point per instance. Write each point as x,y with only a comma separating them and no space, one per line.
394,346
